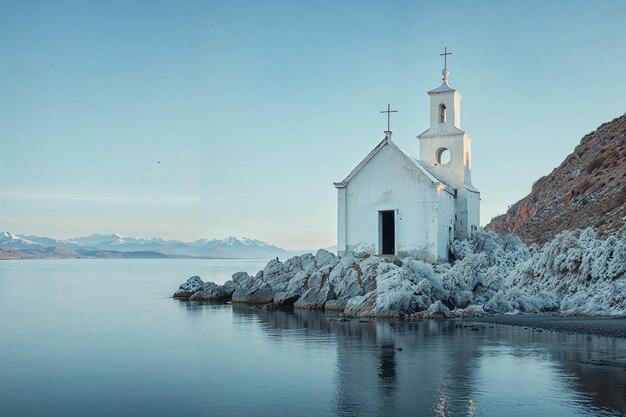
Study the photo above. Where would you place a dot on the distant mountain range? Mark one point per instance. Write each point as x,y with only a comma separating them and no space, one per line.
116,246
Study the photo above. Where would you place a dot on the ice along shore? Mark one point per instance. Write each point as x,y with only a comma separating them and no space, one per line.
576,273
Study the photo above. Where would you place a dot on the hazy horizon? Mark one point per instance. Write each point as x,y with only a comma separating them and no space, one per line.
70,238
194,119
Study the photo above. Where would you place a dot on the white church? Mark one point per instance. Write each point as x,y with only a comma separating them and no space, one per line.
397,205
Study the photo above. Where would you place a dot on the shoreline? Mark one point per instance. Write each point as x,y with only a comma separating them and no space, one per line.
614,327
597,326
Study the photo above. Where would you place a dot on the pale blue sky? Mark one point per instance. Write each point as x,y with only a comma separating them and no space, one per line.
256,107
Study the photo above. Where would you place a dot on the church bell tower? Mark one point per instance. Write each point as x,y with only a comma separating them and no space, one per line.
446,151
444,147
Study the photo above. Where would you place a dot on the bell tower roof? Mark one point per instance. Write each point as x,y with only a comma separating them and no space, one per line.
443,88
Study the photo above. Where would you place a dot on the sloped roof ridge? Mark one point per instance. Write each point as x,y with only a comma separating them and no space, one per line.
387,141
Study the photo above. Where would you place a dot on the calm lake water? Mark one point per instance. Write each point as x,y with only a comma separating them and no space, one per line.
103,338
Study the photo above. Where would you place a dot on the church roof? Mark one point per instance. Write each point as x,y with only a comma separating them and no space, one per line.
414,162
418,164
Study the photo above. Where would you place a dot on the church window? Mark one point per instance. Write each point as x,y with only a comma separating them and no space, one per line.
442,113
443,156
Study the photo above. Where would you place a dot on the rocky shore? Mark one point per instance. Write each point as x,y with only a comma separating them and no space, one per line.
314,282
574,274
598,326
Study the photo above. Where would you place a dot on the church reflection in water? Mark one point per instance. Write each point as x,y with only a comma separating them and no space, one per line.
392,367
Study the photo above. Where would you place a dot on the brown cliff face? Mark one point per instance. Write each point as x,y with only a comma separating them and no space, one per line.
588,189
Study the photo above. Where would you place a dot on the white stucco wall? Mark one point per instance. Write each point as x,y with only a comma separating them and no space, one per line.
341,220
452,100
458,171
389,182
461,215
473,209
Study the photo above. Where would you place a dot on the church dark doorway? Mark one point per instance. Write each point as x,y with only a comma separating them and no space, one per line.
387,232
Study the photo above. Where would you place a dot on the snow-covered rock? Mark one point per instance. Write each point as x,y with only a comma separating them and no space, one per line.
575,273
436,311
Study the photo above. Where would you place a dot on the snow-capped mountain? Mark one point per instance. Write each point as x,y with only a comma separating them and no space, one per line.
232,247
100,240
16,242
47,241
111,245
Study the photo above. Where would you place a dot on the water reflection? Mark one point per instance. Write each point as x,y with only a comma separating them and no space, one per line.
200,306
116,344
387,367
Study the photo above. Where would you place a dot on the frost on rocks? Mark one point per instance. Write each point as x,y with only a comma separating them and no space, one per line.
436,311
189,287
574,274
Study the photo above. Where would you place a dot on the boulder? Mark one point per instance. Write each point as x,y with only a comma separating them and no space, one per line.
323,257
350,258
212,290
293,265
314,298
316,280
273,270
361,305
189,287
347,284
299,283
239,277
198,296
308,263
229,288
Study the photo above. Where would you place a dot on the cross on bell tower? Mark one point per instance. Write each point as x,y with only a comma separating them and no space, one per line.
445,71
445,57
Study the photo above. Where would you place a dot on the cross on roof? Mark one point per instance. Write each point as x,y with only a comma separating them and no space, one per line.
389,111
445,57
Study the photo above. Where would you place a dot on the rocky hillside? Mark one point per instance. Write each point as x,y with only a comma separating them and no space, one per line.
588,189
